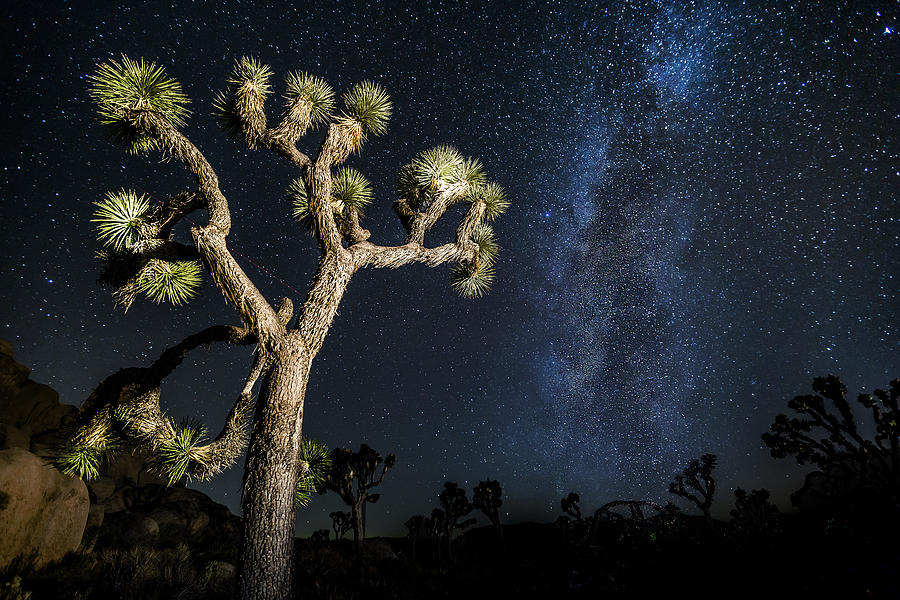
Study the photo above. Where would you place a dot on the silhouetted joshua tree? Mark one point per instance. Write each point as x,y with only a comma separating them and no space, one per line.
341,523
487,497
828,437
753,516
697,477
416,527
144,110
352,476
455,506
434,528
570,506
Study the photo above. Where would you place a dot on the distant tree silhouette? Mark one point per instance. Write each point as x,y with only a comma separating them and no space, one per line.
320,536
455,506
416,528
353,475
487,497
753,516
637,526
341,523
434,528
697,477
828,437
570,506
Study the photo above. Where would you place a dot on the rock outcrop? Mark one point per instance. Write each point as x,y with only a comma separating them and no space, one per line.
42,512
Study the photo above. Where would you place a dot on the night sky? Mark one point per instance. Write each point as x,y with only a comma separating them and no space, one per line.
704,217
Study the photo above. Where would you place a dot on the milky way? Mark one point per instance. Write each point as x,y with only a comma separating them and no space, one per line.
704,217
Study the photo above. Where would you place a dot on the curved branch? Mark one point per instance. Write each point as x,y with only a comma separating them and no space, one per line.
165,216
210,240
132,394
366,254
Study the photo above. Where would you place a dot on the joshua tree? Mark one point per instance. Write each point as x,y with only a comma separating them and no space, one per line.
455,506
699,478
828,436
143,110
352,475
434,528
487,497
341,523
416,527
569,505
753,516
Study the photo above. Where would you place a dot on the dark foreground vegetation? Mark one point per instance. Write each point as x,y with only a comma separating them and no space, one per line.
840,542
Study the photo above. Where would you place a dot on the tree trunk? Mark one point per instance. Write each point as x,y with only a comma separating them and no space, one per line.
359,532
270,476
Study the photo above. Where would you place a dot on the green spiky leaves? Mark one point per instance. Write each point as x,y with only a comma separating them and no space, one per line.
239,108
349,190
123,90
177,452
251,72
473,281
315,466
80,460
120,218
81,457
368,103
439,170
314,92
170,281
494,198
436,167
488,249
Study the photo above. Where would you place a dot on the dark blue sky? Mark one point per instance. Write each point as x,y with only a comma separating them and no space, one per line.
704,217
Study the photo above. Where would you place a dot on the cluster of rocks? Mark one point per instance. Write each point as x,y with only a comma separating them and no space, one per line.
45,514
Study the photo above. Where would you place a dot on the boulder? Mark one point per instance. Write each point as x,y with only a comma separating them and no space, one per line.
13,437
44,514
12,375
182,515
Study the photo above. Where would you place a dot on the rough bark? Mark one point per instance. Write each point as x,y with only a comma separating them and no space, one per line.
270,476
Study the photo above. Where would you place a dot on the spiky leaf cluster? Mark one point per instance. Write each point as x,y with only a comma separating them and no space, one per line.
247,89
315,463
81,457
436,167
494,198
488,249
472,282
177,452
170,281
120,218
439,170
253,72
312,90
123,90
369,104
80,460
349,190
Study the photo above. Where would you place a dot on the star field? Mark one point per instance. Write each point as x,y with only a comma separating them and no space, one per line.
704,218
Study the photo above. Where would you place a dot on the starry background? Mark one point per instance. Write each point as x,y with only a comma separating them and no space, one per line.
704,217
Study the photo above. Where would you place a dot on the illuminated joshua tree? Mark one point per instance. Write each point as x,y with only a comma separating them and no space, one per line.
143,110
696,483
